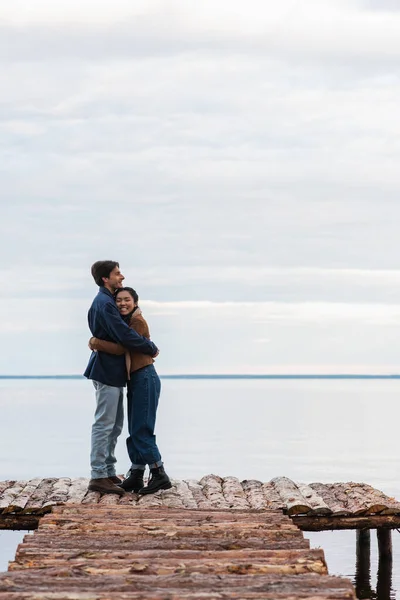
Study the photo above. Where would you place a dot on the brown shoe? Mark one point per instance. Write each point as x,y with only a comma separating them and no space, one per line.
115,479
105,486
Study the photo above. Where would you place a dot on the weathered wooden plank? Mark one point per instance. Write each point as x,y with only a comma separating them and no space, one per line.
25,554
19,522
272,498
171,498
54,579
254,493
109,499
4,485
167,566
77,490
317,504
19,502
99,542
173,594
151,500
205,530
185,493
59,492
10,494
328,495
91,498
218,515
39,497
291,496
212,489
234,493
317,523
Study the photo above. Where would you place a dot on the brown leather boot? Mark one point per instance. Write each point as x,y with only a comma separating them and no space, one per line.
115,479
105,486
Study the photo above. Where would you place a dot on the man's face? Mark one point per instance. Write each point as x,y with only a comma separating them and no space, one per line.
114,281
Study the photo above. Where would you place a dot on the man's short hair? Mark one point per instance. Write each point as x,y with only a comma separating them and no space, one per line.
102,268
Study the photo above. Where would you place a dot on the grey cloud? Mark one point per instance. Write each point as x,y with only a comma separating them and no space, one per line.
164,36
381,5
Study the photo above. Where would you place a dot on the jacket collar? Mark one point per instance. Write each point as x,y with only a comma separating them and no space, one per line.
103,290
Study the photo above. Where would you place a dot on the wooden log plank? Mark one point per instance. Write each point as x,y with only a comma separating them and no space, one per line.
59,492
308,585
353,497
151,500
254,493
130,500
317,504
39,497
198,494
380,503
172,594
219,515
171,498
212,530
185,493
4,485
19,502
234,493
291,496
272,498
98,542
109,499
91,498
167,566
19,522
212,489
326,492
316,523
24,554
77,490
10,494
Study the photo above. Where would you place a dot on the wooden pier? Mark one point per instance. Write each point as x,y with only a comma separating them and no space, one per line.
216,538
313,507
121,552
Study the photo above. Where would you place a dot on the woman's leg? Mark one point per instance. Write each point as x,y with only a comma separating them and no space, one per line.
134,480
146,387
137,461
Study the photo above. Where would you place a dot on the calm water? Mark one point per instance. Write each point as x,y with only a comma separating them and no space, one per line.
308,430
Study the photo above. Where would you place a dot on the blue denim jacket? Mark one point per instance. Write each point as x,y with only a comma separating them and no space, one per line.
106,323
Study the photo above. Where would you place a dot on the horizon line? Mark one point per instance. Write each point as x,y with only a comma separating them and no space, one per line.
233,376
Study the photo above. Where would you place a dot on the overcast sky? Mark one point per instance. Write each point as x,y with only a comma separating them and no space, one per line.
240,160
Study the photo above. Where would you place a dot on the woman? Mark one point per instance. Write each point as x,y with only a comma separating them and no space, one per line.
143,394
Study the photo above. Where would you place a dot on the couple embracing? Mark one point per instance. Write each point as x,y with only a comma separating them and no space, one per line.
123,354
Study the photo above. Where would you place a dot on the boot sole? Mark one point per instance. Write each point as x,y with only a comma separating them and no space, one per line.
134,490
164,486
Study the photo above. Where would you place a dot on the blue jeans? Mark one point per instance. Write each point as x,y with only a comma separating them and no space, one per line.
143,393
107,426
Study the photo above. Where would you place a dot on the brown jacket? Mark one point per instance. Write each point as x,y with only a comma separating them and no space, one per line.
134,360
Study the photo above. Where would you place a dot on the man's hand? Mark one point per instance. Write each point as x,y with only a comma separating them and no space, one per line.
90,344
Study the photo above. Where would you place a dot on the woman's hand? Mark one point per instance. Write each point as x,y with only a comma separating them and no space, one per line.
91,344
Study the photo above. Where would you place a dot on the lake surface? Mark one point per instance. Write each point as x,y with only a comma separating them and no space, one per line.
308,430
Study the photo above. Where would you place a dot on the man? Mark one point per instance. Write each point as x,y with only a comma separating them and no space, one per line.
108,373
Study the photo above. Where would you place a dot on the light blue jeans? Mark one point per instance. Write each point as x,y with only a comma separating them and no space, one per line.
107,426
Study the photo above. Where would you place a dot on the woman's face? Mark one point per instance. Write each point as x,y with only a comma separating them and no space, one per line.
125,303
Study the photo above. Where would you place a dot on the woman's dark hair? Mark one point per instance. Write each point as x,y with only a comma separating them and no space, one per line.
102,268
130,291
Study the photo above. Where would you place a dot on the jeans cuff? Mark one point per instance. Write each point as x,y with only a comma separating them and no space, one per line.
158,463
141,467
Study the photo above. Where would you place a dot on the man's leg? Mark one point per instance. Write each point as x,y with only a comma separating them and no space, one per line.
115,433
107,404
